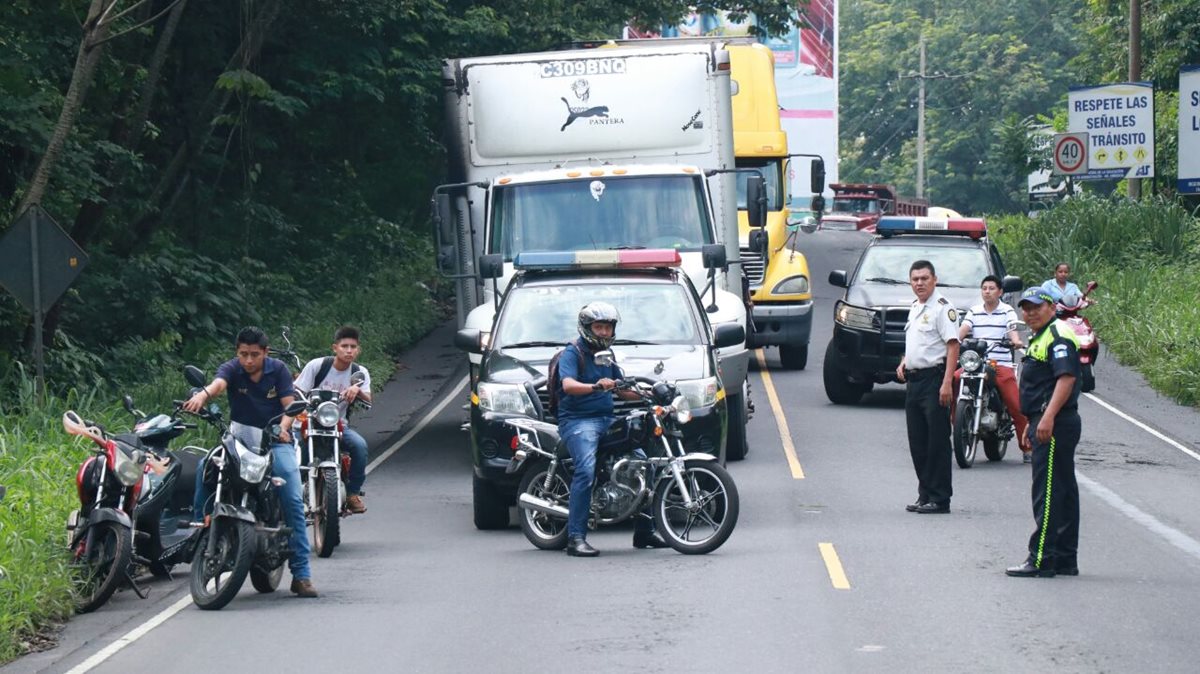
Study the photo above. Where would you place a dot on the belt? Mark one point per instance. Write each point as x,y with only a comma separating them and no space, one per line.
918,372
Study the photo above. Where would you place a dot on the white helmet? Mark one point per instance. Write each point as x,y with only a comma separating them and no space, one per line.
597,312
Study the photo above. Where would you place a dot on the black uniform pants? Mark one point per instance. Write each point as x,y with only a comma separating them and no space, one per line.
1055,541
928,434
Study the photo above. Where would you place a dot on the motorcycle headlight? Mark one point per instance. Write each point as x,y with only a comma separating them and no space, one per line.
698,392
327,414
683,409
251,466
504,399
128,470
794,285
856,317
970,361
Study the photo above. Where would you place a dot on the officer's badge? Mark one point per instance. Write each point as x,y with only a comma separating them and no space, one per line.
953,315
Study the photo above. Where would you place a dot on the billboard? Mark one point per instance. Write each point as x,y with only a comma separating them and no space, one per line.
1119,121
1189,130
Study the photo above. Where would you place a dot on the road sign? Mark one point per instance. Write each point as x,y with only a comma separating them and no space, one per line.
1070,154
1189,130
1119,121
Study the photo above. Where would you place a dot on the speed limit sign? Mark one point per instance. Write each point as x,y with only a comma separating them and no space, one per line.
1070,154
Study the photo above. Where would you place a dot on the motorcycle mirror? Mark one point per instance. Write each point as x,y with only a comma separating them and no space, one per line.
295,408
127,401
1092,285
72,423
194,375
358,378
604,358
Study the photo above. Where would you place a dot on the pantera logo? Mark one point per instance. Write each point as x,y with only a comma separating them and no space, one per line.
582,91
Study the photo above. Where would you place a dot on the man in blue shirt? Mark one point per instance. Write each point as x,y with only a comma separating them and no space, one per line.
1059,287
585,412
259,389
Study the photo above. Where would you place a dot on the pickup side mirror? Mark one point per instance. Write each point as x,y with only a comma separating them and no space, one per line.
491,266
756,201
468,339
1011,284
726,335
759,241
837,278
194,375
817,176
713,255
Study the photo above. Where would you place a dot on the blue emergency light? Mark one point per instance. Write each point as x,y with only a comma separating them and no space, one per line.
975,228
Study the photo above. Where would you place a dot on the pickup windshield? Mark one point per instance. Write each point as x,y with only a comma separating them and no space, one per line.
650,314
601,213
956,267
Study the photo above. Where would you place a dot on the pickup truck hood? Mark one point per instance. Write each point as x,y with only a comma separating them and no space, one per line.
880,295
679,361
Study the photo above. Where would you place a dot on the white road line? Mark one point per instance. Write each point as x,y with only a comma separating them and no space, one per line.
1172,535
1144,427
141,630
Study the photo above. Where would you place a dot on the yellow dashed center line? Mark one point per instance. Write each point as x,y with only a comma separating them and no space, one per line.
789,450
833,564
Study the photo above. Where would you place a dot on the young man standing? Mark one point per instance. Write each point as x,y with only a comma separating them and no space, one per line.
333,373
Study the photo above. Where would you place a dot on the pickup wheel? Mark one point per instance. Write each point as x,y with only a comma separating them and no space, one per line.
491,508
838,387
793,357
736,446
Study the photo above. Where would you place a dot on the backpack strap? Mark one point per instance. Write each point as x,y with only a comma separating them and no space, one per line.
326,364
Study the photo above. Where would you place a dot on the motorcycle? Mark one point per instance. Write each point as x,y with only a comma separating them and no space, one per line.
980,415
100,532
245,534
1089,344
324,466
693,499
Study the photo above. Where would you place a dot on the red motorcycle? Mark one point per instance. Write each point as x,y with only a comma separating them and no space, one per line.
101,531
1089,344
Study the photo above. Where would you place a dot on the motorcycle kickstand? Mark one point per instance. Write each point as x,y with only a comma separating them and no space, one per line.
137,589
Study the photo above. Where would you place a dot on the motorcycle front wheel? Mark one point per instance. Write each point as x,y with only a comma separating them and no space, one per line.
964,438
327,522
217,579
545,532
709,521
97,572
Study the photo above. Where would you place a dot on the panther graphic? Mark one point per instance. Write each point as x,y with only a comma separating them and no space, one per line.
575,113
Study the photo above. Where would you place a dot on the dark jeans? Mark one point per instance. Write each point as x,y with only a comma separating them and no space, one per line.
356,446
928,435
583,438
1055,540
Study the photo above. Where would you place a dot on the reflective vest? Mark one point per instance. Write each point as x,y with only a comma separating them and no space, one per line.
1039,346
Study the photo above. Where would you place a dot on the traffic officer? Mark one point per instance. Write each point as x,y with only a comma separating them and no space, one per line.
930,344
1050,398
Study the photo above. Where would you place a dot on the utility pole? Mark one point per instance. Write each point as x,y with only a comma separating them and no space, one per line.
1135,71
921,123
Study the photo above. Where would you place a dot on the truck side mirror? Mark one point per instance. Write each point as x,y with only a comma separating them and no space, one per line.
491,266
817,175
1011,284
713,255
756,201
468,339
726,335
837,278
817,205
759,241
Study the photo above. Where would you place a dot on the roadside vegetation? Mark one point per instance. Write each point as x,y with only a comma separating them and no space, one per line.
1146,258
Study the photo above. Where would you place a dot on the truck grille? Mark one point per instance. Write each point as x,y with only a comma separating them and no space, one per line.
754,266
619,406
894,319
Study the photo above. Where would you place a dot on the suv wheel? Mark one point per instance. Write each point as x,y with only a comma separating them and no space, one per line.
736,446
491,508
793,357
838,387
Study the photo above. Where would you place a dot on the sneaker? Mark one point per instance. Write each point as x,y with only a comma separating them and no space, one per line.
303,588
354,503
1027,457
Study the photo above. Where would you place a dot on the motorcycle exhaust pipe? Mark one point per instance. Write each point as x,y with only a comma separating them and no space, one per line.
541,505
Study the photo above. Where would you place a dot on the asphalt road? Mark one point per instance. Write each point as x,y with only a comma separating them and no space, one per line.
825,573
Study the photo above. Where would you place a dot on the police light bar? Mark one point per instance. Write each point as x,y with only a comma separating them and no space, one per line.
975,228
598,259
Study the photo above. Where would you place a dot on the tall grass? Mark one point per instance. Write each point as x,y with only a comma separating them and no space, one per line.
1145,256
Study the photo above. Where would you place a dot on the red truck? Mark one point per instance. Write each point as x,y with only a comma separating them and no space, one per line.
858,206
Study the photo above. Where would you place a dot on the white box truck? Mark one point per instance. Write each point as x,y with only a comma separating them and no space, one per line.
594,149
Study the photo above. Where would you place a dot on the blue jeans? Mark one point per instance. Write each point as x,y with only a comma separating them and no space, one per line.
356,445
283,465
583,438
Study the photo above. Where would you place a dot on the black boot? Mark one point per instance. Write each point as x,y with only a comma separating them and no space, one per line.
648,539
578,547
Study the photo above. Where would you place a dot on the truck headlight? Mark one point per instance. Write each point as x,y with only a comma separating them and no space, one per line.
698,392
504,399
793,285
970,361
856,317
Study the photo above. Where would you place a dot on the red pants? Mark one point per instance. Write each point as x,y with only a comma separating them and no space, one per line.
1006,383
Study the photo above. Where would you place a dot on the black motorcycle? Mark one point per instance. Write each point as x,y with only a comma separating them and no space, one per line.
245,534
640,460
980,417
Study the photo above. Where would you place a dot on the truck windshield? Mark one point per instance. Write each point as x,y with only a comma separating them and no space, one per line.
855,206
956,267
650,313
599,214
771,170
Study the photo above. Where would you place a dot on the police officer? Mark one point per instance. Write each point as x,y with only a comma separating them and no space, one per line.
1050,398
930,344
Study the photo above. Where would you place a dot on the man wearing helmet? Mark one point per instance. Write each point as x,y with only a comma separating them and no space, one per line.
585,412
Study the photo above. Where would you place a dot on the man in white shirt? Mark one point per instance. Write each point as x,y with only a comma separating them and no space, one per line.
993,320
333,373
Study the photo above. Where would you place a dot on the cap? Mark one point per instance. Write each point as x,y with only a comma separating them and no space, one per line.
1035,295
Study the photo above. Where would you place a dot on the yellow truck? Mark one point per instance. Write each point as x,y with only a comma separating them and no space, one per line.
780,285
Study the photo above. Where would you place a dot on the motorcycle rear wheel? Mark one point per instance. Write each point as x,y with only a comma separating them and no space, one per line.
266,581
543,531
327,522
715,510
964,439
97,573
236,545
